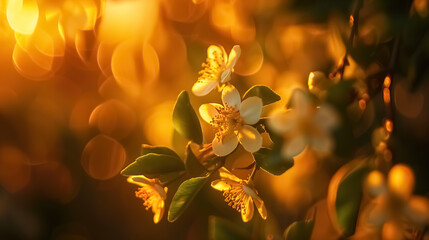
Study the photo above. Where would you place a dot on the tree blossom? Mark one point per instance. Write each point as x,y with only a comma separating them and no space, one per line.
232,122
240,194
303,125
152,193
216,70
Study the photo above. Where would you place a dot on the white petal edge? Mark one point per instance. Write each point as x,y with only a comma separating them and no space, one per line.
294,146
233,56
230,96
250,138
226,75
247,214
251,109
225,173
214,50
228,144
139,180
208,111
203,87
261,207
282,120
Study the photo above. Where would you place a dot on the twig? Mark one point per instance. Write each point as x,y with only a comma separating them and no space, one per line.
354,19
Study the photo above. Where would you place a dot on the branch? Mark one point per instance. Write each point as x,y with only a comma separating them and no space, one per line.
354,19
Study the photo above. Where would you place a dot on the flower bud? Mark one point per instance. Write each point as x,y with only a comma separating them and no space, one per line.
375,183
318,82
401,181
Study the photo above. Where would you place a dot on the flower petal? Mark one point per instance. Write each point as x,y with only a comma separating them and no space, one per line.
251,109
294,146
226,146
283,121
226,75
139,180
417,210
322,143
247,212
220,185
231,97
302,103
233,56
260,206
208,111
158,210
250,138
203,87
214,51
161,191
326,117
376,213
224,173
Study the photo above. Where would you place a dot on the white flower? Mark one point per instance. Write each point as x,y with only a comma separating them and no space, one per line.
217,69
304,124
231,122
240,194
152,193
393,201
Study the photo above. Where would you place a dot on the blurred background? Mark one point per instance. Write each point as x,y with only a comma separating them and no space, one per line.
83,83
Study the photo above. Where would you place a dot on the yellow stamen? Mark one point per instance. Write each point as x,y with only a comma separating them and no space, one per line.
149,196
212,68
236,197
227,121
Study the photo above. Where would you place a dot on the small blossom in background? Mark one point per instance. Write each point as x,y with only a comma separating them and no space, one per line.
216,70
152,194
240,194
305,124
394,207
232,122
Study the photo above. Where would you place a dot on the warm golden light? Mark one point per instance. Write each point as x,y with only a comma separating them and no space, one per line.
23,15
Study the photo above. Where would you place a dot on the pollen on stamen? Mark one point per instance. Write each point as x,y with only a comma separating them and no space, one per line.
236,198
226,122
146,196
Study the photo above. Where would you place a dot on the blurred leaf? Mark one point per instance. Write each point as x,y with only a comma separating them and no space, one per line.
193,166
341,94
272,161
184,196
299,230
223,229
146,149
153,163
267,95
345,194
185,120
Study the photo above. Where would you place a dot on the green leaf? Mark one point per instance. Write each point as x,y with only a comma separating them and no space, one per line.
193,166
346,194
153,163
185,120
223,229
272,161
184,196
267,95
146,149
299,230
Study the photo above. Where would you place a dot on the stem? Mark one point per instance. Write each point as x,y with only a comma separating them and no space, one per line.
354,18
252,174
